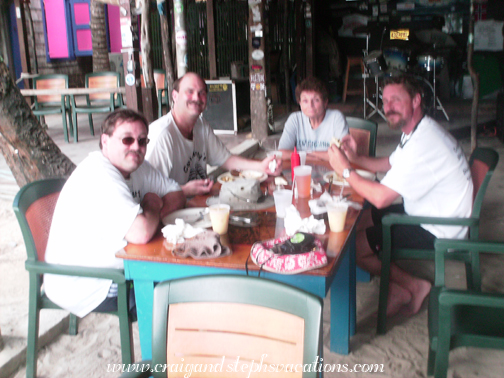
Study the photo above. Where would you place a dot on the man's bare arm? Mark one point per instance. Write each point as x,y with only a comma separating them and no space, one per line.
146,224
377,194
172,201
241,163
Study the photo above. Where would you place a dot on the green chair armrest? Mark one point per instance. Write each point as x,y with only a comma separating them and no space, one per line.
451,297
141,369
391,219
116,275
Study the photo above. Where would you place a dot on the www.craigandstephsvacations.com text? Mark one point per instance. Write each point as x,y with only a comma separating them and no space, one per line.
249,367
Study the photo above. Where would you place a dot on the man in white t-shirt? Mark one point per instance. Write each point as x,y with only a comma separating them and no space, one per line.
182,143
428,170
113,197
312,128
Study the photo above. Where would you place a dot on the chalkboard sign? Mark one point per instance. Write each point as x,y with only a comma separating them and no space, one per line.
220,112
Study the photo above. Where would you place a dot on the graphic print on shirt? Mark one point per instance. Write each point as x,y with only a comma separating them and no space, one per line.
304,145
196,166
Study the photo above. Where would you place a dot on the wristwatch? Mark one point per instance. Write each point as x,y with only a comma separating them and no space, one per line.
346,172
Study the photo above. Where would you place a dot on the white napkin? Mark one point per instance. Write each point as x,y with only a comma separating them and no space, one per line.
317,187
318,206
178,232
293,223
272,165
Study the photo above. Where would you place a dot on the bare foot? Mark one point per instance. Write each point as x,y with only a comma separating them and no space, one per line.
421,290
398,297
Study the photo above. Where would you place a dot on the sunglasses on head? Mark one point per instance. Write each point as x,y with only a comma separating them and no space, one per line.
128,141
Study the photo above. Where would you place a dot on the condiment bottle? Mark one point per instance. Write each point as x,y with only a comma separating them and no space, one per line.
295,161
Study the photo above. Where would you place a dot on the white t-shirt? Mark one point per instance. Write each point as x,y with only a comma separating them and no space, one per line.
432,175
298,131
95,210
182,159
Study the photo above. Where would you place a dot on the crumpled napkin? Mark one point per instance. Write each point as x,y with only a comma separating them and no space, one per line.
318,206
178,232
293,223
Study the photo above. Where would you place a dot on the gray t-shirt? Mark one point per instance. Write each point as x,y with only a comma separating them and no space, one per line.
298,131
182,159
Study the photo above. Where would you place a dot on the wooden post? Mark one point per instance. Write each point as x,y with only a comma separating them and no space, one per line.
211,39
149,95
130,50
23,41
300,41
285,53
257,69
167,51
310,36
475,80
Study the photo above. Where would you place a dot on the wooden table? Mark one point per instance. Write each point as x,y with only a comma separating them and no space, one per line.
153,262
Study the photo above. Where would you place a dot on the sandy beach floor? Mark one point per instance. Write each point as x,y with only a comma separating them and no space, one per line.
402,351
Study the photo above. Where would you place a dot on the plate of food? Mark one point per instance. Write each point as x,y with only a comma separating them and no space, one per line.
335,178
254,175
338,180
195,216
225,177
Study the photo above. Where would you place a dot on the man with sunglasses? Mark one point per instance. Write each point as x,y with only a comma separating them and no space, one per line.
183,143
428,170
113,197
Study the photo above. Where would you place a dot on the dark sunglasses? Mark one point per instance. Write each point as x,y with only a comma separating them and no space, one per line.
128,141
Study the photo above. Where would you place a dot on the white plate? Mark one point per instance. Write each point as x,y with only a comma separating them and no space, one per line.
254,175
341,181
190,216
225,177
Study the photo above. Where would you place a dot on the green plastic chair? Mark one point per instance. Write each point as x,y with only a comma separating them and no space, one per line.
364,132
52,104
99,102
34,207
198,320
482,163
162,90
462,317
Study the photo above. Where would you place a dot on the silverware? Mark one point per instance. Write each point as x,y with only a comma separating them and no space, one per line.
331,178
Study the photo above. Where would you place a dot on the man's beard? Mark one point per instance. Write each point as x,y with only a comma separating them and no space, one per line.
398,125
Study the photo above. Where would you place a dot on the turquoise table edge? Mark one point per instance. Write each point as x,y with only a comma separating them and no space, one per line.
342,285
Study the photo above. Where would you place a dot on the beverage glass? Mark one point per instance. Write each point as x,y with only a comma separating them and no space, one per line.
302,157
336,213
283,199
219,216
302,174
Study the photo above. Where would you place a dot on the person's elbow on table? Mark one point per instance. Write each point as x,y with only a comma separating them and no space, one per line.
172,201
146,224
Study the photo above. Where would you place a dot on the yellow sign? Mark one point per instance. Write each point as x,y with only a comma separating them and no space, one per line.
217,88
402,34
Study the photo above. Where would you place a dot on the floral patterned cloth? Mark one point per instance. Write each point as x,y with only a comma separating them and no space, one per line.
288,263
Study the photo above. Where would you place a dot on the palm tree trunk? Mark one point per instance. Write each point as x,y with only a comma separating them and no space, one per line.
29,152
